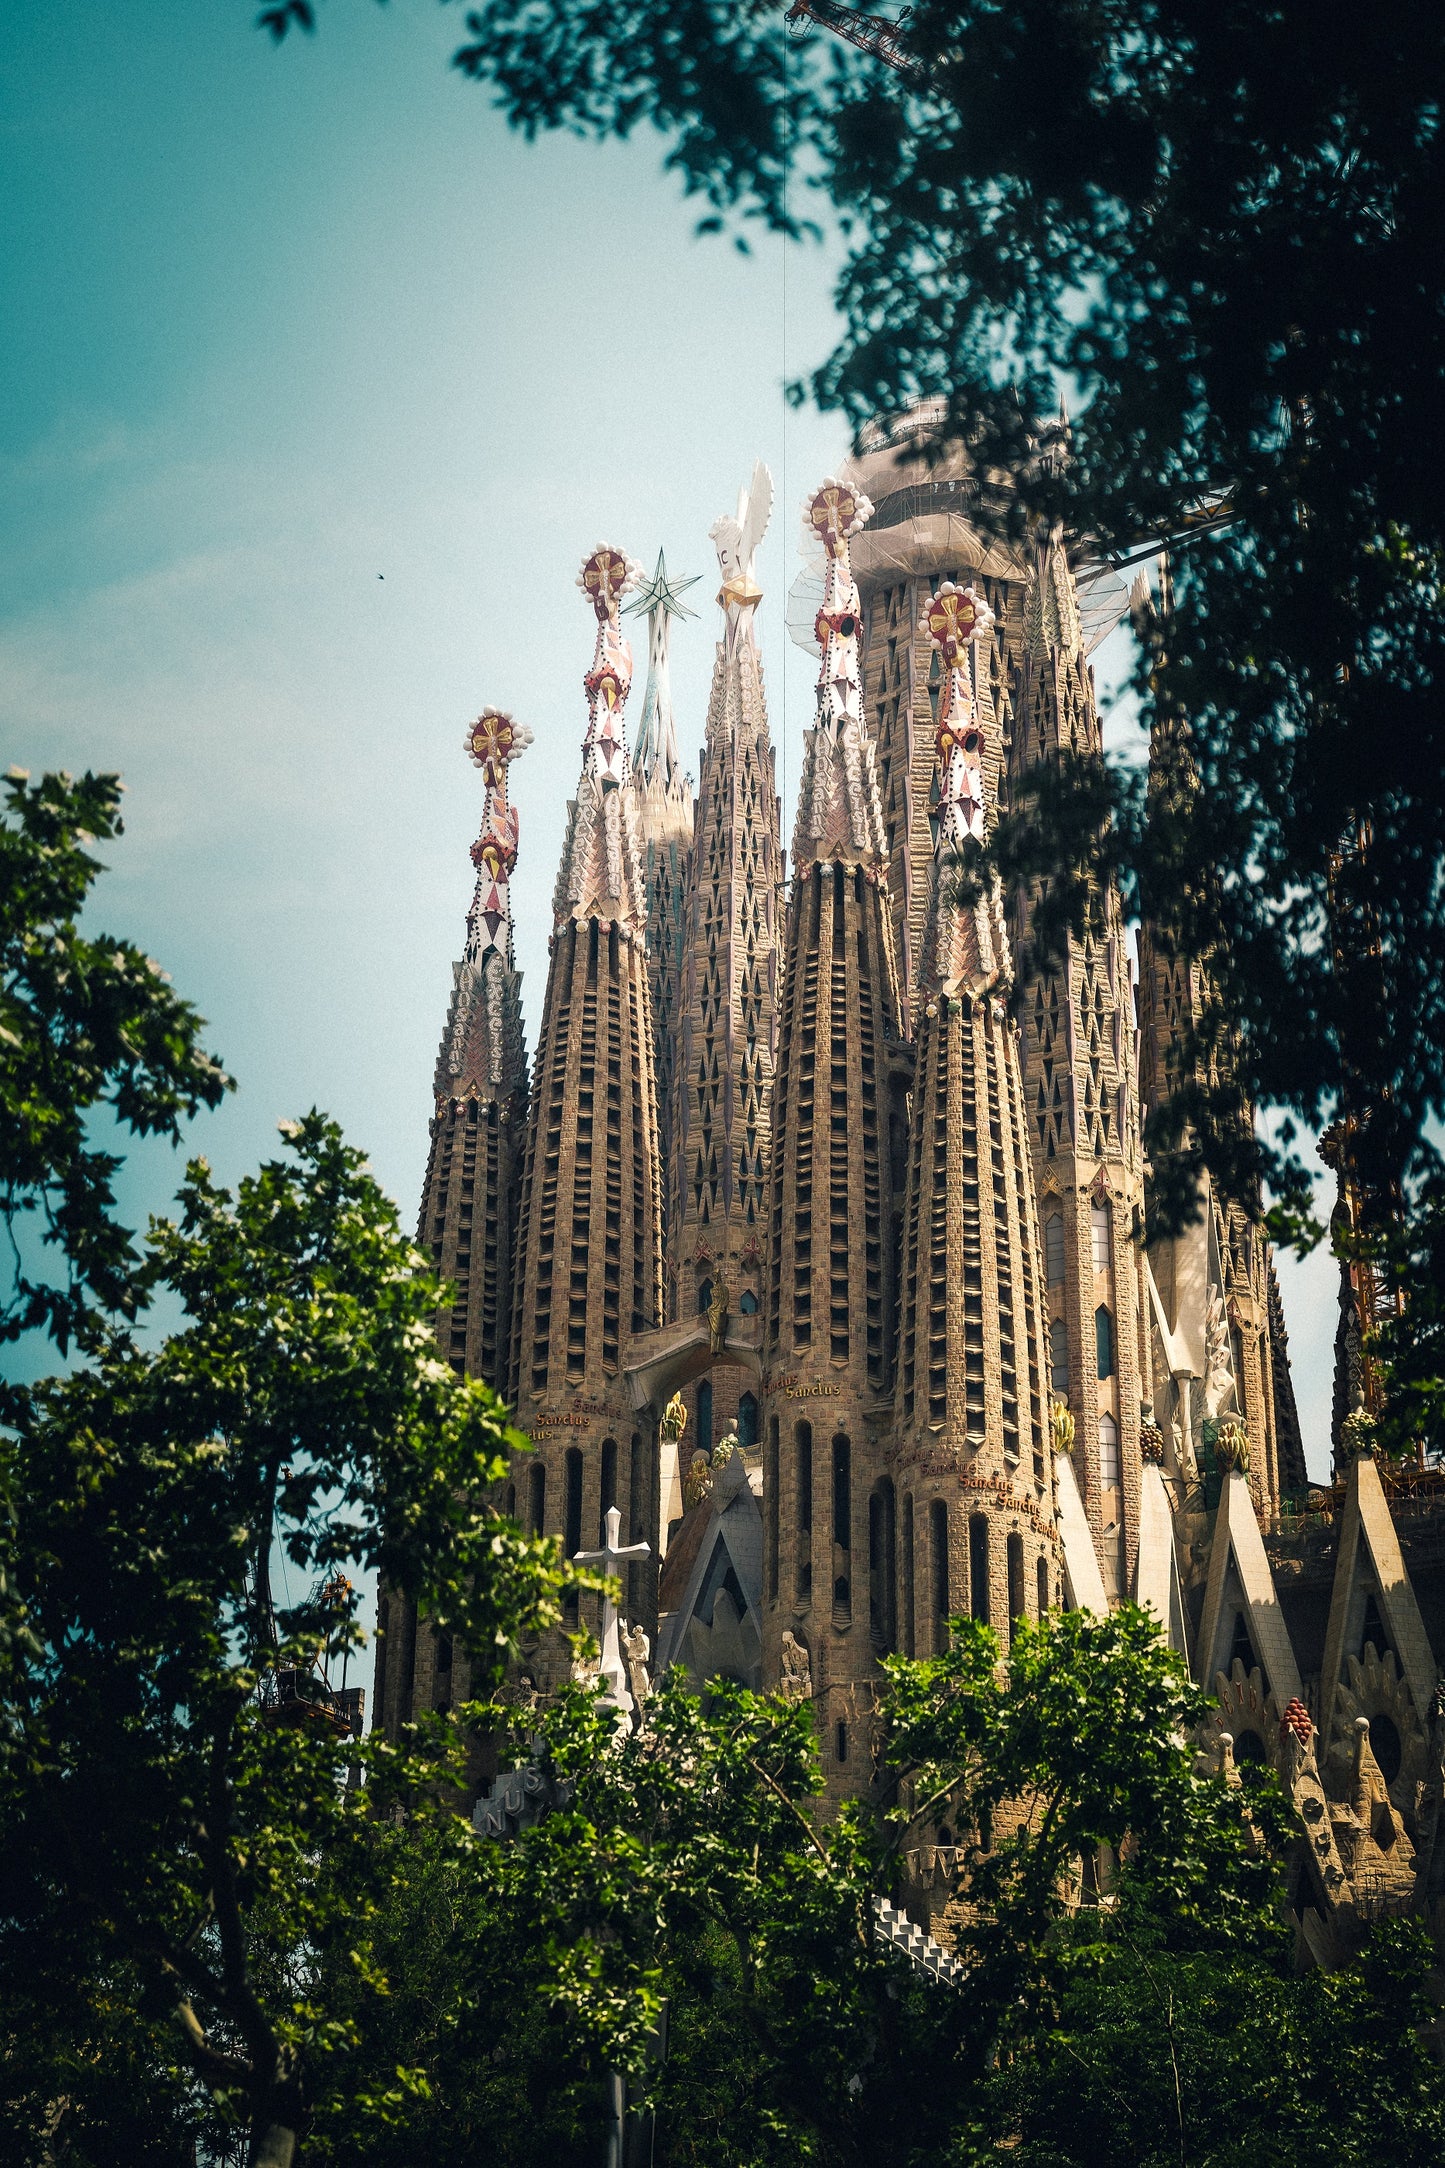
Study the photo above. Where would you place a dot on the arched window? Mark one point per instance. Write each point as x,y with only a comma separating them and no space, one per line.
572,1520
704,1417
1059,1356
747,1420
978,1568
882,1551
1043,1580
607,1489
1104,1341
1099,1233
772,1504
1017,1602
747,1303
704,1297
537,1515
938,1545
1109,1477
1054,1245
842,1493
803,1442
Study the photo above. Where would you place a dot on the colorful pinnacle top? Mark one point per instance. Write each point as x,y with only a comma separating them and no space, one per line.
956,619
605,578
965,946
493,742
834,513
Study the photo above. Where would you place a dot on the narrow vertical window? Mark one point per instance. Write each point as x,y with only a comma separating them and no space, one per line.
1059,1356
1017,1602
607,1489
1054,1246
1104,1341
978,1568
1043,1578
938,1545
1100,1234
1109,1476
704,1416
572,1520
771,1505
842,1493
803,1439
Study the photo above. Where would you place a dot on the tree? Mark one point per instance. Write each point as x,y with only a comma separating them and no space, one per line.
684,1865
85,1022
170,1759
1215,228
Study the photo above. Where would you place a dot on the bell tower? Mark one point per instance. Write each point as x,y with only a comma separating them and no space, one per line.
839,1152
972,1459
468,1221
589,1248
727,1026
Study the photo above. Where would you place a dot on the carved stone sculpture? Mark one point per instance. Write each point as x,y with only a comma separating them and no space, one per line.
796,1684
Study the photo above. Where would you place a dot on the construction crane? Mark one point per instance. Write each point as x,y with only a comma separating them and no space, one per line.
865,31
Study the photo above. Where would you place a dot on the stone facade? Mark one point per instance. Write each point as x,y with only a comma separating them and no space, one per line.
972,1448
1076,1016
840,1121
906,1183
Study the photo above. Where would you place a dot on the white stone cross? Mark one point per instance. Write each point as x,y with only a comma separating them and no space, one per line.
609,1558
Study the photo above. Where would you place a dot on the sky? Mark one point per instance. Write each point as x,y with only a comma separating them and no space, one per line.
316,386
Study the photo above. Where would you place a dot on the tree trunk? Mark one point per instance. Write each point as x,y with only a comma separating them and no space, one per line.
277,2117
273,2142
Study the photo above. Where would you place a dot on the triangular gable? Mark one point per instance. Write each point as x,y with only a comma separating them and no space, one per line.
1240,1580
733,1539
1370,1562
1083,1582
1156,1571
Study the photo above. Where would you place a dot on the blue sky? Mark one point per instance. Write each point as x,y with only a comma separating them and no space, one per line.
315,387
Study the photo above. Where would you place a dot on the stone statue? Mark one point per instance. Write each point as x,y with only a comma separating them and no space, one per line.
1218,1358
717,1314
636,1649
697,1483
736,542
796,1684
674,1420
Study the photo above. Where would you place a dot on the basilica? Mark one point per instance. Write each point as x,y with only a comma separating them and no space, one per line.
813,1238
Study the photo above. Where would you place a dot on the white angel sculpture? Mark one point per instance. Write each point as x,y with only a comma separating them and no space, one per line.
736,541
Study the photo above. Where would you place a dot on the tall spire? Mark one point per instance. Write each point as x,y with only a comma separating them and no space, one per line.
1076,1015
965,945
839,1128
663,808
661,598
1211,1284
590,1273
469,1203
727,1025
482,1042
601,874
972,1441
839,816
